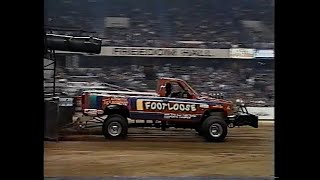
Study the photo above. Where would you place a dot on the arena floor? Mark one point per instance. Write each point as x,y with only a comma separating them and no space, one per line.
150,152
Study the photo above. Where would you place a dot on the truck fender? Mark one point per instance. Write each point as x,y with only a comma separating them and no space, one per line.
117,109
213,112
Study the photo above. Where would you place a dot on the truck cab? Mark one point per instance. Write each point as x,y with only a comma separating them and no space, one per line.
173,87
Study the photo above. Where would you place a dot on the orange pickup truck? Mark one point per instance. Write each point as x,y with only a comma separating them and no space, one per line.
174,104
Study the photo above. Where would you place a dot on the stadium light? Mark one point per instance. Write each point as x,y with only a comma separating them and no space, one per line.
73,44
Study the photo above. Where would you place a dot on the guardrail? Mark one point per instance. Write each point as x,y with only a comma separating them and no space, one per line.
263,113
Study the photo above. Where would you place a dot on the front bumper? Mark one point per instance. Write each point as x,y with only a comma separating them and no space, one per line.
243,119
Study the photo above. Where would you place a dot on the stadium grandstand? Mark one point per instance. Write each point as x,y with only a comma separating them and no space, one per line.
201,24
169,23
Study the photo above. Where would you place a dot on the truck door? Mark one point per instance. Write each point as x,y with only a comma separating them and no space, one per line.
164,108
182,109
179,105
146,108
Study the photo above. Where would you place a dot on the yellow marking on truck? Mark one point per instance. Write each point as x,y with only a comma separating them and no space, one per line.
139,104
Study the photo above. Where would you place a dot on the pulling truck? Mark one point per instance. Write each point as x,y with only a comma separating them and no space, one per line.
174,104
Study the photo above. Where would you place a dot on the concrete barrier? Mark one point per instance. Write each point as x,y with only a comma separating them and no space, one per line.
263,113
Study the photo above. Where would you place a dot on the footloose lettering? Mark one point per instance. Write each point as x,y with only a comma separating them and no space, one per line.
169,106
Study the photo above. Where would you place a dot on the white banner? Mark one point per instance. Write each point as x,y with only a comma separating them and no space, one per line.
164,52
264,53
264,113
242,53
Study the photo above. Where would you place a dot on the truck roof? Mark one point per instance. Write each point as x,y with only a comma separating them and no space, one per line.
121,92
172,79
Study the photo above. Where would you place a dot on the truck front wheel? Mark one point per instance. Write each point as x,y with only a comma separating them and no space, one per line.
214,129
115,126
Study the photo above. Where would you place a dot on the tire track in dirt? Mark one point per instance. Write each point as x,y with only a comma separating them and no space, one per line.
146,152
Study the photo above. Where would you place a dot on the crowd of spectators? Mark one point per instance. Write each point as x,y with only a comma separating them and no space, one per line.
175,23
163,23
250,80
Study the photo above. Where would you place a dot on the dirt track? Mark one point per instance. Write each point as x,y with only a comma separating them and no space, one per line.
246,152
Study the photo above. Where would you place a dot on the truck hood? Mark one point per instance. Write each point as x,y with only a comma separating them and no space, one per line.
228,105
208,98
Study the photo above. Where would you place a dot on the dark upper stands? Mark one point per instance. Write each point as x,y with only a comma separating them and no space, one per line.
161,23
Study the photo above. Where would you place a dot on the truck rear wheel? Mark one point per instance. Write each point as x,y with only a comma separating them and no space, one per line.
214,129
115,126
